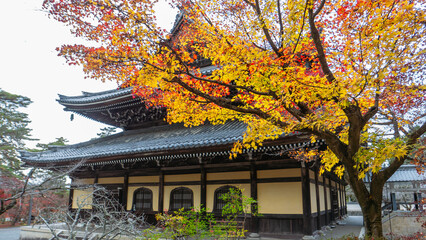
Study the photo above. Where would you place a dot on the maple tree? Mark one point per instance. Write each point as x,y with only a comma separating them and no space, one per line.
348,72
17,192
9,184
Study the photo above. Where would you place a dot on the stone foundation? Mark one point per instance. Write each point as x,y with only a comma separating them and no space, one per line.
403,223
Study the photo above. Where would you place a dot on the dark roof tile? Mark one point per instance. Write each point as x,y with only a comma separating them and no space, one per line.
407,173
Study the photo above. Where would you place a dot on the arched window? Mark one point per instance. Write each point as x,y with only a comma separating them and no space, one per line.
142,200
219,203
181,197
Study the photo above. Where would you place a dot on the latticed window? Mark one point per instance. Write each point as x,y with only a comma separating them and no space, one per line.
181,198
219,203
142,200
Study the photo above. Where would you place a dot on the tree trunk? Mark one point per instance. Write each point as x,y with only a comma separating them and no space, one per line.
372,215
370,201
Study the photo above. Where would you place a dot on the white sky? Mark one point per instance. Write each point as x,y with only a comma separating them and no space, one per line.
29,66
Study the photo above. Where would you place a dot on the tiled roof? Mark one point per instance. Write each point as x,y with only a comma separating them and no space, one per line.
147,140
95,97
407,173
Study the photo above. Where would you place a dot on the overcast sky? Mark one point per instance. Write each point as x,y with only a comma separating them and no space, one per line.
29,66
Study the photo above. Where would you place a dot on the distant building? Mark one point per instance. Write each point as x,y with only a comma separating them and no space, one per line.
407,185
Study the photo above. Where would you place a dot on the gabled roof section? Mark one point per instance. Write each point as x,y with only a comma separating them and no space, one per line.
117,107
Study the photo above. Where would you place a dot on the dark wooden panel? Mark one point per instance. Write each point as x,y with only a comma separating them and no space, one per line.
182,183
277,226
144,184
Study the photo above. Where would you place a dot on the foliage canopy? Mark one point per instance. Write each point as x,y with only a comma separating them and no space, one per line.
349,72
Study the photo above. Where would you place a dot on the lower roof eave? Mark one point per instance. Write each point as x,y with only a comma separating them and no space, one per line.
221,150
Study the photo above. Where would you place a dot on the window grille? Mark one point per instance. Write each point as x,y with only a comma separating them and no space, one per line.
142,200
181,198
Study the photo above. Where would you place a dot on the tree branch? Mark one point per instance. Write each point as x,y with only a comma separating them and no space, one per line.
319,8
265,30
303,25
318,45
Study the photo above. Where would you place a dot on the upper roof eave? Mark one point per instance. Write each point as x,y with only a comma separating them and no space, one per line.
95,98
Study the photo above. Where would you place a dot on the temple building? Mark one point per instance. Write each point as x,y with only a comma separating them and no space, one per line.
153,166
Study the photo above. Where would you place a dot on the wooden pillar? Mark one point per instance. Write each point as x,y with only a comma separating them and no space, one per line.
344,197
96,178
317,199
70,196
306,200
330,192
341,200
161,192
125,190
203,193
325,199
253,194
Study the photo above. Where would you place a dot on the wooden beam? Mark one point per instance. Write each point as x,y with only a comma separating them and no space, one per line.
215,167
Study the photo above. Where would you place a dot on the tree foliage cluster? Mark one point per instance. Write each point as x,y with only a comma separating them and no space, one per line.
348,72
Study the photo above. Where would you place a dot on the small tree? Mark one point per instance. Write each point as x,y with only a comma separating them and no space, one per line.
237,206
